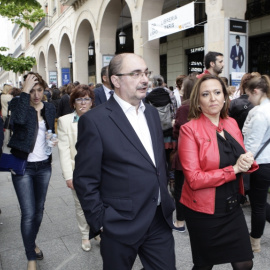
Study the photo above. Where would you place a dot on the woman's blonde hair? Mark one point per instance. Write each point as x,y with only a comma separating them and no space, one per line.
6,89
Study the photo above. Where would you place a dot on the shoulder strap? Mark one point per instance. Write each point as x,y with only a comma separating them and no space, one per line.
260,151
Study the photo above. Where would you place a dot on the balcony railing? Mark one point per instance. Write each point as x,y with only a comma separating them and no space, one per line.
40,30
15,30
18,51
257,9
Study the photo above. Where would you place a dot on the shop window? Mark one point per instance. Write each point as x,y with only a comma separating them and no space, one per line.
259,54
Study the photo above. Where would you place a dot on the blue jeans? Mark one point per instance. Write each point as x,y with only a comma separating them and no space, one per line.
31,190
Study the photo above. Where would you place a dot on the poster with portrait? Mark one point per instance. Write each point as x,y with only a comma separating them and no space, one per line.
237,45
236,50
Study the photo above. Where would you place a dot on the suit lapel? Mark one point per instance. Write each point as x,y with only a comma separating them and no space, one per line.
103,95
153,132
118,117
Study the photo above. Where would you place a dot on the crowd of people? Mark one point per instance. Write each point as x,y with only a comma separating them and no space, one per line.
133,150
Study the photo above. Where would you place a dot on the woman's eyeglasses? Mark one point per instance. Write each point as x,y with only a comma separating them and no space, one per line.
81,100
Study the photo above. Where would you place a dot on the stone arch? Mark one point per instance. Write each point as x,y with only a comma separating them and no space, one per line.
109,15
51,65
65,49
42,68
83,36
107,25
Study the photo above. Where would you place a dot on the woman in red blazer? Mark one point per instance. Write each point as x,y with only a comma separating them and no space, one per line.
213,157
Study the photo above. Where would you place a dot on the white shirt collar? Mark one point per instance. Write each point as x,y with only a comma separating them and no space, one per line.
127,106
106,89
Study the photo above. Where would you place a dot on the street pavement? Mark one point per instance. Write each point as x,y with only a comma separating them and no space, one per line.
59,236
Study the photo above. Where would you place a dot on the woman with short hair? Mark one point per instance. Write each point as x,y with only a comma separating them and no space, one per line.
82,100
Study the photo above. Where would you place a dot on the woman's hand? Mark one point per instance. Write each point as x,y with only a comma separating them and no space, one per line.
54,142
70,184
30,82
243,163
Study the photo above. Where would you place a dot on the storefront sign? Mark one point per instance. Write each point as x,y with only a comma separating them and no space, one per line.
175,21
238,26
195,59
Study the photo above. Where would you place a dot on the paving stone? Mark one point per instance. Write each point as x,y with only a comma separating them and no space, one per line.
60,239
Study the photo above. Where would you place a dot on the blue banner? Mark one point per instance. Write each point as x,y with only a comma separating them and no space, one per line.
65,76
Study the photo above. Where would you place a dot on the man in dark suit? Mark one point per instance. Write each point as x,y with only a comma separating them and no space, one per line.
120,173
237,55
103,93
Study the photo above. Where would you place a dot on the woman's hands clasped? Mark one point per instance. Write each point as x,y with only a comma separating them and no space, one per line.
244,163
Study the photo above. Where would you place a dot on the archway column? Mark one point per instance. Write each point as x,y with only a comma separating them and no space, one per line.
149,50
217,13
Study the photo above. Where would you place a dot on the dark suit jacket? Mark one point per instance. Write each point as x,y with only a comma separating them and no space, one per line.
100,96
240,56
114,177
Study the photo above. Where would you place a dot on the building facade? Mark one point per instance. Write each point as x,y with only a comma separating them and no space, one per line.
61,41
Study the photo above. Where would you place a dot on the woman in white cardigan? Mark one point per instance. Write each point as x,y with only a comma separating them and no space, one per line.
82,99
256,132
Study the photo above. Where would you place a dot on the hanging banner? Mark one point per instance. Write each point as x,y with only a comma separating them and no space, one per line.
175,21
65,76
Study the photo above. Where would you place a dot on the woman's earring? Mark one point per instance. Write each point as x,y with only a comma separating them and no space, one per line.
224,101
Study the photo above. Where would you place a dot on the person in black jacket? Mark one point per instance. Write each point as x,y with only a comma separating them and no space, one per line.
64,106
162,98
240,107
31,119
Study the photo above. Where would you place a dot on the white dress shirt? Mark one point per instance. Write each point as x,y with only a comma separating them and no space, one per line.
107,92
138,122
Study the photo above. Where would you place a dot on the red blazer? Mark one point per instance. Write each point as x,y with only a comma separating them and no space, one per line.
199,156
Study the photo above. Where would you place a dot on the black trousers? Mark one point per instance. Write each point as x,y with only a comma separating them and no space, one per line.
155,249
260,209
179,181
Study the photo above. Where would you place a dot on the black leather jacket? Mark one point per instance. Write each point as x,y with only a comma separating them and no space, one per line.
25,124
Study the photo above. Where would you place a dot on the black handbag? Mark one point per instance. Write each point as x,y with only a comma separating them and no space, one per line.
10,163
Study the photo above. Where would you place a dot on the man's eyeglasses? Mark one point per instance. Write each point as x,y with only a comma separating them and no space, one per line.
81,100
137,74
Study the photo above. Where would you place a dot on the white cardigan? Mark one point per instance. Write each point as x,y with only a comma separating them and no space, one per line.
256,131
67,135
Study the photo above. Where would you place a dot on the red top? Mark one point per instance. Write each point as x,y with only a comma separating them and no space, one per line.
199,155
204,73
